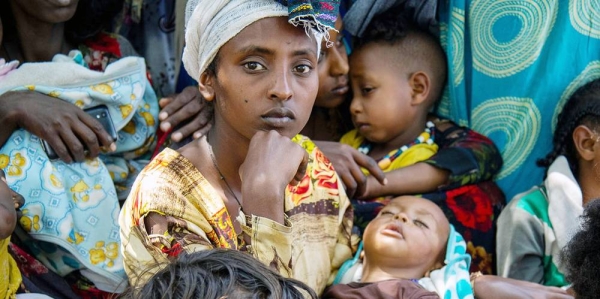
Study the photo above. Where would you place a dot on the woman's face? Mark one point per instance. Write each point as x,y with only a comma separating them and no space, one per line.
47,11
333,70
266,79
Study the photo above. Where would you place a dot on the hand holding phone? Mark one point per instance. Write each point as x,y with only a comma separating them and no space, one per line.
86,142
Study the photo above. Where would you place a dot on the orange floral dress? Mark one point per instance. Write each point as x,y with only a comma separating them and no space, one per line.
310,246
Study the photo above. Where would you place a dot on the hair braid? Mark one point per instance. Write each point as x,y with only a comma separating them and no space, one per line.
582,107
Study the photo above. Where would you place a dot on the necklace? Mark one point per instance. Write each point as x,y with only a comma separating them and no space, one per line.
426,137
212,156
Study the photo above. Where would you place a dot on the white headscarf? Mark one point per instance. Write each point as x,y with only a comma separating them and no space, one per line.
212,23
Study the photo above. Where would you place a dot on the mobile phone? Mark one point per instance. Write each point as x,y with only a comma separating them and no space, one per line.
99,113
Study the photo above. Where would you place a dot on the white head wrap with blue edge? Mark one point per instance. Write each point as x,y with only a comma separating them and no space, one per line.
212,23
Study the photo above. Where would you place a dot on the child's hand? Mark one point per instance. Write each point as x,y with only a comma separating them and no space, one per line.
371,190
273,161
10,201
347,162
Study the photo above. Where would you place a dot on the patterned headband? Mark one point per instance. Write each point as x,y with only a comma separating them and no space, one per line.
321,15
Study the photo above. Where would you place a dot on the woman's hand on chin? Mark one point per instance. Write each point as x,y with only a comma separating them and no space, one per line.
273,161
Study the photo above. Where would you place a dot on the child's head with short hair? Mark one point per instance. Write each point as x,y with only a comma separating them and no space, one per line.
216,274
582,255
397,73
406,240
577,131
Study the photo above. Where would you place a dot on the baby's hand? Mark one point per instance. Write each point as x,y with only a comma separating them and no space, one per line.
10,201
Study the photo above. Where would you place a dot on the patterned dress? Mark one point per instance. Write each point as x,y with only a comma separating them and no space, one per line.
314,241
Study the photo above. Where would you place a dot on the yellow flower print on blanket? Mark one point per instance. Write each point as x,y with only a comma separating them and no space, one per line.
75,238
14,164
104,254
104,88
82,192
75,206
30,222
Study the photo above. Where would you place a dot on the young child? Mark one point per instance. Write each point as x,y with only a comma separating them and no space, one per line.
407,241
582,255
251,184
397,75
537,224
215,274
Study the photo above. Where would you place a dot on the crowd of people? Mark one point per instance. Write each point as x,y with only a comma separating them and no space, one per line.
287,157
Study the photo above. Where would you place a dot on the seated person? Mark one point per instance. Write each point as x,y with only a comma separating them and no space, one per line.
407,241
395,80
581,256
263,189
538,224
70,218
215,274
391,101
465,157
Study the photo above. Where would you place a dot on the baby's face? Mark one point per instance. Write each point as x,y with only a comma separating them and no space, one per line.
410,232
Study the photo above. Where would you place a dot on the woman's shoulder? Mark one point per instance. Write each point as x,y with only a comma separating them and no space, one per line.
167,167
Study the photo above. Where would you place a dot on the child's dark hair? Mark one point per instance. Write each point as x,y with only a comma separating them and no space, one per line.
218,273
583,107
416,46
581,256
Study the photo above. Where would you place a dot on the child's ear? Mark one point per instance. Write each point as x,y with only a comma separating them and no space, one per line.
584,139
420,86
205,85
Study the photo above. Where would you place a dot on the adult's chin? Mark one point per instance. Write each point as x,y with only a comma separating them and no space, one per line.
330,101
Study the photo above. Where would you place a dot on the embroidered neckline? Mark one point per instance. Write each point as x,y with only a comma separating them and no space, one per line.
426,137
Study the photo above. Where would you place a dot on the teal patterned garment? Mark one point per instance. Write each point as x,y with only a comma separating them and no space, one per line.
512,65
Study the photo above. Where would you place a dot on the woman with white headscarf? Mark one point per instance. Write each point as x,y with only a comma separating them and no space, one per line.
263,189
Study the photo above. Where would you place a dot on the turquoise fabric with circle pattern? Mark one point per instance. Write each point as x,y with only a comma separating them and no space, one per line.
512,66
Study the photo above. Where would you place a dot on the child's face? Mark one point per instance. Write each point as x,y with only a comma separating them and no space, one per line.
410,232
333,70
381,104
266,79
